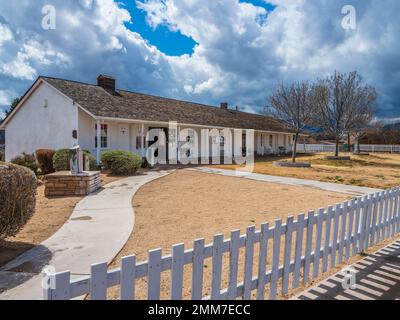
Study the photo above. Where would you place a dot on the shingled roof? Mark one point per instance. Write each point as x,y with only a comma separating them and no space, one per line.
137,106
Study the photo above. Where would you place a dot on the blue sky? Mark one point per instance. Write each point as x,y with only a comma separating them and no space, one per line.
205,51
172,43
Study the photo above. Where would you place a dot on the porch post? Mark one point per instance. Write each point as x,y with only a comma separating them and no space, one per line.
142,140
98,134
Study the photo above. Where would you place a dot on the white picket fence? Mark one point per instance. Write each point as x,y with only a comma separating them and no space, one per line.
322,240
314,148
380,148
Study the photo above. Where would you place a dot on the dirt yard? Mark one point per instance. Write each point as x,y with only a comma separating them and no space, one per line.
375,171
51,213
187,205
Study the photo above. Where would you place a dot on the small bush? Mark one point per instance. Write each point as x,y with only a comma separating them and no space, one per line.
28,161
17,197
108,157
2,155
61,160
45,159
122,162
92,161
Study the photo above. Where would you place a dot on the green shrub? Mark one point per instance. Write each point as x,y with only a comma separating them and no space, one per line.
45,159
122,162
61,160
28,161
108,157
2,155
17,197
92,161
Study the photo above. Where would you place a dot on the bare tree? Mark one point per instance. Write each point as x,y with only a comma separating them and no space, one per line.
361,124
343,103
294,106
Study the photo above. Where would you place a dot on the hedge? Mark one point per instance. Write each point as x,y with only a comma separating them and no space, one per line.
28,161
45,159
17,197
122,162
61,160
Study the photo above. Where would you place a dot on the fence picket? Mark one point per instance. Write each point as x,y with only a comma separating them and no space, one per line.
389,214
178,252
368,221
337,212
216,276
275,259
299,249
385,217
342,239
154,275
349,238
374,218
356,242
233,264
363,221
287,257
327,238
307,254
127,278
198,268
61,290
98,281
248,264
398,212
380,216
317,250
393,222
262,264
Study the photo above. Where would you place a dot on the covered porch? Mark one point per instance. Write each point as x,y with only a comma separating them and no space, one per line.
103,134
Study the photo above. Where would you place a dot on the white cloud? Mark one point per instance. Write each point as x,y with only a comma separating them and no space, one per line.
240,55
5,34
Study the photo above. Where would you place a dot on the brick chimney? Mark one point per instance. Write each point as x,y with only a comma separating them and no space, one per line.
107,83
224,105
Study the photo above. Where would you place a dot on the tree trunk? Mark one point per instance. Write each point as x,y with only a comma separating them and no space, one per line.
348,142
358,146
337,148
294,151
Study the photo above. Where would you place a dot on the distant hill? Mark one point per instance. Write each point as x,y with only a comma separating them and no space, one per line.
392,127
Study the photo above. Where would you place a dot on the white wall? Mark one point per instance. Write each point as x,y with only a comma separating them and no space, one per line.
35,126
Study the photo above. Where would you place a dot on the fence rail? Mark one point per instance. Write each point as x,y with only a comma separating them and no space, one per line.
313,148
322,240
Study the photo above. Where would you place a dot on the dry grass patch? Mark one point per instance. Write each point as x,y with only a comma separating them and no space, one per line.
187,205
375,171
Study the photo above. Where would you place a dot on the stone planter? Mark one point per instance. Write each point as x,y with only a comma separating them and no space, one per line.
292,164
66,184
340,158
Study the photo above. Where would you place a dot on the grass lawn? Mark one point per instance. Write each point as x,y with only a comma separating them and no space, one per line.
50,214
187,205
375,171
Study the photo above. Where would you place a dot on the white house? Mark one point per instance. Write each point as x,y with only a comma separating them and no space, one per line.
57,113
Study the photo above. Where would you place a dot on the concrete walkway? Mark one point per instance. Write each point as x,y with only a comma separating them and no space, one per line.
334,187
97,230
377,278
